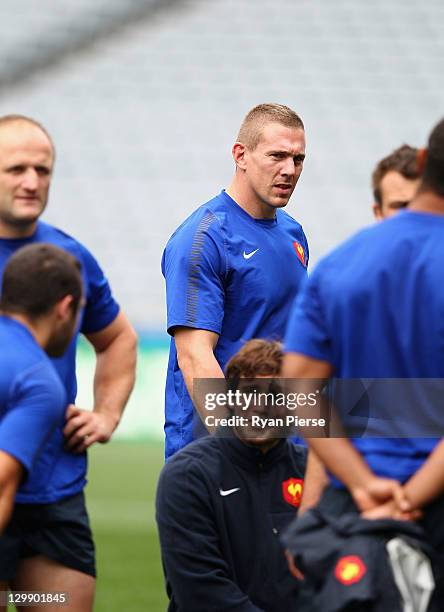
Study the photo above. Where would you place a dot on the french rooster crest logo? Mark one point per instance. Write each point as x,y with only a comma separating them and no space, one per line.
300,252
292,491
350,569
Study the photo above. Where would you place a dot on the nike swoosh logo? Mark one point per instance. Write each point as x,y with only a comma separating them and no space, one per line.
228,492
248,255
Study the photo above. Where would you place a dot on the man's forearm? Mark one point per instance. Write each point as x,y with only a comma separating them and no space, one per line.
195,356
428,482
368,490
196,367
341,459
116,358
114,379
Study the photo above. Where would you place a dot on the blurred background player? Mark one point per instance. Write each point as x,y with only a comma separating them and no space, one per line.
222,502
41,295
64,553
329,335
395,181
234,266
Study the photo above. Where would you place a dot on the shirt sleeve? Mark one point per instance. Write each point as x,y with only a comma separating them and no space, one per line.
197,575
307,330
37,406
101,308
194,267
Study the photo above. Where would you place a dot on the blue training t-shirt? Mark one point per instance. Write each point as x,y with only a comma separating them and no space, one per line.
32,399
231,274
65,471
374,308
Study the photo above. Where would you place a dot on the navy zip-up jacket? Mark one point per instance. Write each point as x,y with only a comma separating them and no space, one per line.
220,508
345,561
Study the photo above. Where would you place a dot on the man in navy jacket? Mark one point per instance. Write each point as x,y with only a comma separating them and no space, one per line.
221,504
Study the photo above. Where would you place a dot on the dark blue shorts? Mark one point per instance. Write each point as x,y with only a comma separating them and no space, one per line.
59,531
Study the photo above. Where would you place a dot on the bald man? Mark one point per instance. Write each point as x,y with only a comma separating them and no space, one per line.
51,519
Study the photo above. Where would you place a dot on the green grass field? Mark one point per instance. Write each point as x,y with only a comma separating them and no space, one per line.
120,495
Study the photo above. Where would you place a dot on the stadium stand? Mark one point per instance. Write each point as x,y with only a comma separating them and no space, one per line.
143,99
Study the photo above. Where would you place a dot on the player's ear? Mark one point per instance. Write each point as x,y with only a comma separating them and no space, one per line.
64,308
377,211
238,152
421,157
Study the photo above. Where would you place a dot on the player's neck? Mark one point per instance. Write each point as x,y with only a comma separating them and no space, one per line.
16,232
241,194
428,202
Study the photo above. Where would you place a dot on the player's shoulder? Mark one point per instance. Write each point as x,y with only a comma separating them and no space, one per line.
22,347
380,235
26,364
349,250
199,456
54,235
366,253
209,217
50,233
286,219
291,227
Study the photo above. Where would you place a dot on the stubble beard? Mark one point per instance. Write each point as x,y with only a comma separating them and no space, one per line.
14,222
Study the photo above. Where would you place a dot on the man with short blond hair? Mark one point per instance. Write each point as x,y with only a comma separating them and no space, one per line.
233,268
250,131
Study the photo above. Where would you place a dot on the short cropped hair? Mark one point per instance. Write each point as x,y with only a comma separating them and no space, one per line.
38,276
8,119
404,160
250,131
256,358
433,175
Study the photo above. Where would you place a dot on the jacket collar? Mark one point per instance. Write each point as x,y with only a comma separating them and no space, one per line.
250,457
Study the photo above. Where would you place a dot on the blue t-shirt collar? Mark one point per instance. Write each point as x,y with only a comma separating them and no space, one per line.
229,200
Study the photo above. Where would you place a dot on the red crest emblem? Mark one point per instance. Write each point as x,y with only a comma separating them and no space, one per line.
292,491
350,569
300,252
